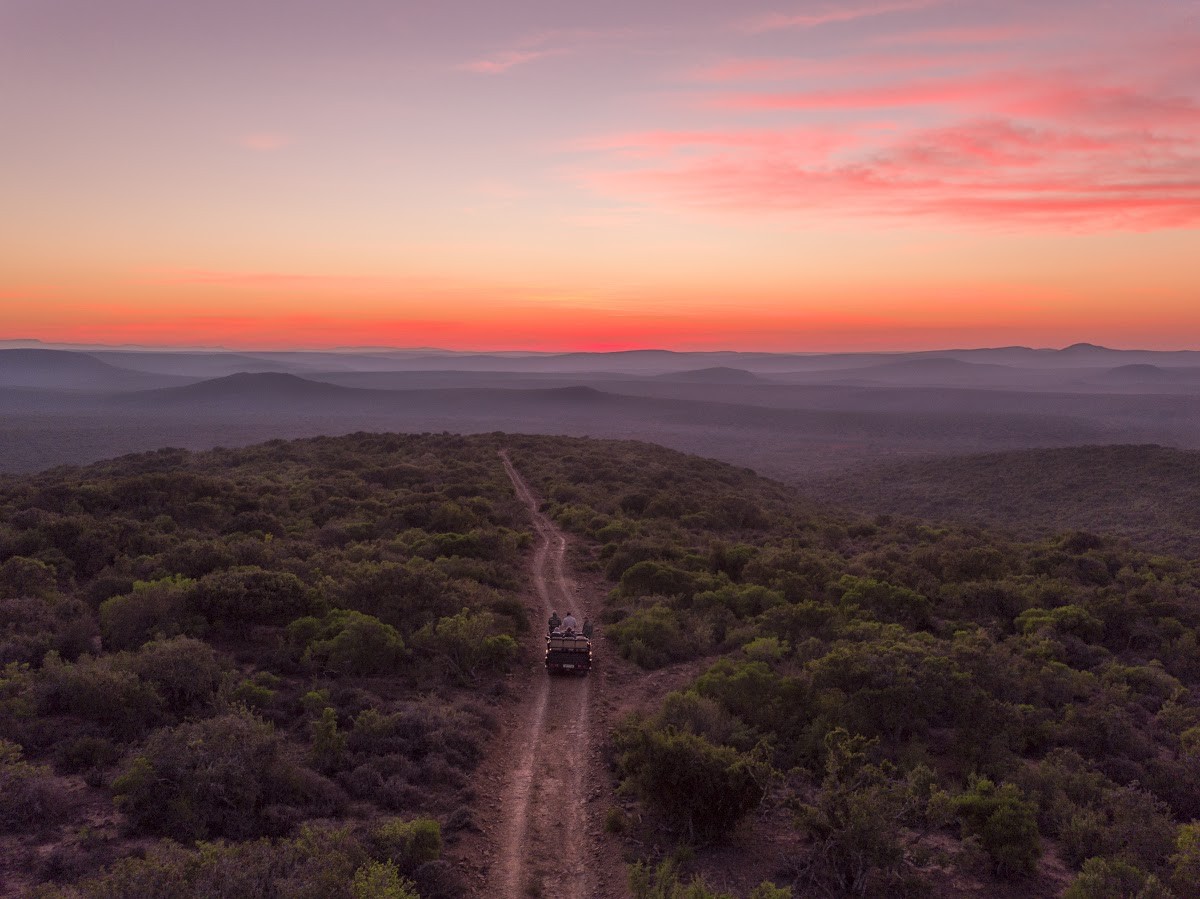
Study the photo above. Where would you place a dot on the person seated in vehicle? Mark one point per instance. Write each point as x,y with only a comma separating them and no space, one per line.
587,628
570,624
555,621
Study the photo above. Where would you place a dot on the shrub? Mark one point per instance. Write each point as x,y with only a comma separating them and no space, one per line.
1004,822
656,636
853,818
651,578
29,796
207,778
744,601
409,844
887,601
663,882
21,576
251,595
468,644
615,820
348,642
153,608
98,690
381,880
316,864
1110,878
185,672
1185,862
705,788
328,743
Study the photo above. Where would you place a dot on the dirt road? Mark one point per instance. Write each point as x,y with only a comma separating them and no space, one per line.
543,833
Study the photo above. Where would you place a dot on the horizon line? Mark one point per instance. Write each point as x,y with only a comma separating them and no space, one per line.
35,343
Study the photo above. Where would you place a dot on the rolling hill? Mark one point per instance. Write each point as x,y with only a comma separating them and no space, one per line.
65,370
1147,493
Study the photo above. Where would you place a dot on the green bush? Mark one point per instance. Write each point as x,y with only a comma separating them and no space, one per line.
316,864
853,819
468,644
663,882
21,576
651,578
1109,878
153,608
381,880
703,788
348,642
409,844
1004,822
657,636
184,671
29,796
209,778
99,690
1185,863
251,595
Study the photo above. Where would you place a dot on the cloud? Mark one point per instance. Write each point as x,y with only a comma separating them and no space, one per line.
777,21
790,69
958,36
264,141
500,63
1080,150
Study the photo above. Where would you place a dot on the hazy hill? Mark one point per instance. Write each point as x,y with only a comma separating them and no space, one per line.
195,364
718,374
1148,493
1143,374
272,390
65,370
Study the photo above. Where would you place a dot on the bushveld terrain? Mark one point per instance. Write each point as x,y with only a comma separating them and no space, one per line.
311,668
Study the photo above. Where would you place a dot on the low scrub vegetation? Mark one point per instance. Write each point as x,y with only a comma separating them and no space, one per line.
257,658
278,664
884,680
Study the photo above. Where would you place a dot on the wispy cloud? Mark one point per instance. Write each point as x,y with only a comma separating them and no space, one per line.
542,44
988,149
499,63
828,15
958,36
766,69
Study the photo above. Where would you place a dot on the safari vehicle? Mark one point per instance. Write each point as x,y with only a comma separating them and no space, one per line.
568,654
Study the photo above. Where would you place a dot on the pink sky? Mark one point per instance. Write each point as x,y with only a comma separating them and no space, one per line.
555,175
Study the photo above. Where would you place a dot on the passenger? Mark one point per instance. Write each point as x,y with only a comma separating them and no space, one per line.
570,625
555,621
587,628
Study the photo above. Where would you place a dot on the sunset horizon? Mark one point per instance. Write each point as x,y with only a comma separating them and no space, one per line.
803,176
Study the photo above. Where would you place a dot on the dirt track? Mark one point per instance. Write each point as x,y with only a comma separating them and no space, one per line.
542,841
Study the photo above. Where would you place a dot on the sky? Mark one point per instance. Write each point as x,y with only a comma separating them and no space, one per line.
559,175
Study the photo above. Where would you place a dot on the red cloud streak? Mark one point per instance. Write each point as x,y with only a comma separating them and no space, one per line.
1084,150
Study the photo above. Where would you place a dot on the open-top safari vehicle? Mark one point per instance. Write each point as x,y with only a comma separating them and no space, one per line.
568,654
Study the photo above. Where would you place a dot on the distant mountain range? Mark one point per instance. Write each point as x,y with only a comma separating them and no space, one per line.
791,416
211,363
